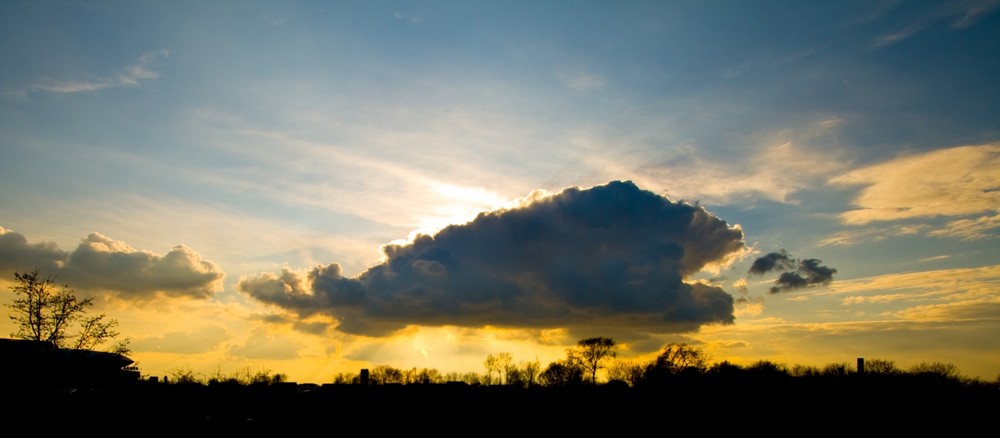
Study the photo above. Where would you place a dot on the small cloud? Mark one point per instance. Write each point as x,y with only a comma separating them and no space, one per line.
810,273
582,80
140,70
731,344
807,272
934,259
273,20
412,18
895,37
747,306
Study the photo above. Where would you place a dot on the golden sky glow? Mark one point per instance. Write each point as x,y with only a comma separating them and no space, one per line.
313,188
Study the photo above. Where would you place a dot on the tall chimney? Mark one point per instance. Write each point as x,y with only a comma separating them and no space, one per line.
861,365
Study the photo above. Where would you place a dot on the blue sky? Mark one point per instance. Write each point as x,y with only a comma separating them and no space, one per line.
191,164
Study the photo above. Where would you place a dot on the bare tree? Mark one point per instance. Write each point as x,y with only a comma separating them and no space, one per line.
422,375
529,372
344,378
491,368
504,360
626,371
498,365
96,330
881,367
43,313
386,374
936,369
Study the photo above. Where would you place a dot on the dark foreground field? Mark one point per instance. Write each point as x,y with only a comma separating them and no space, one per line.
850,406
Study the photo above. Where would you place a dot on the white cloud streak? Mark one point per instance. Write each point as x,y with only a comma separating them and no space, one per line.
958,181
960,14
945,284
132,75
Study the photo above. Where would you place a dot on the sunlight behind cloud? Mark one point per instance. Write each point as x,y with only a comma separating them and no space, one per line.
456,205
463,349
614,255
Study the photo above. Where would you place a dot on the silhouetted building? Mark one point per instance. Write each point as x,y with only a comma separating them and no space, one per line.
40,364
861,365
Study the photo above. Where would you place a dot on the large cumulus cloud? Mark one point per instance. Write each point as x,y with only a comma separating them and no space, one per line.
612,255
100,263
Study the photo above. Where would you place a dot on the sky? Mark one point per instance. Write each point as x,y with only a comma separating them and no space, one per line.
315,187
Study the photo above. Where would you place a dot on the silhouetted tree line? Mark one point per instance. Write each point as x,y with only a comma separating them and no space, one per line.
679,384
588,388
679,371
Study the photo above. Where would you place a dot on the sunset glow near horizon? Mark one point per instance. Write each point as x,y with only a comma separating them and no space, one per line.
312,187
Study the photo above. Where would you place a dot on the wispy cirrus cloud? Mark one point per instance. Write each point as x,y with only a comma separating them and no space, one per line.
130,76
959,14
961,182
779,164
987,309
871,234
582,80
966,284
969,229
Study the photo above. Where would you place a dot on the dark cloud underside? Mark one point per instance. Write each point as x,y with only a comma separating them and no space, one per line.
797,274
810,273
611,255
774,261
